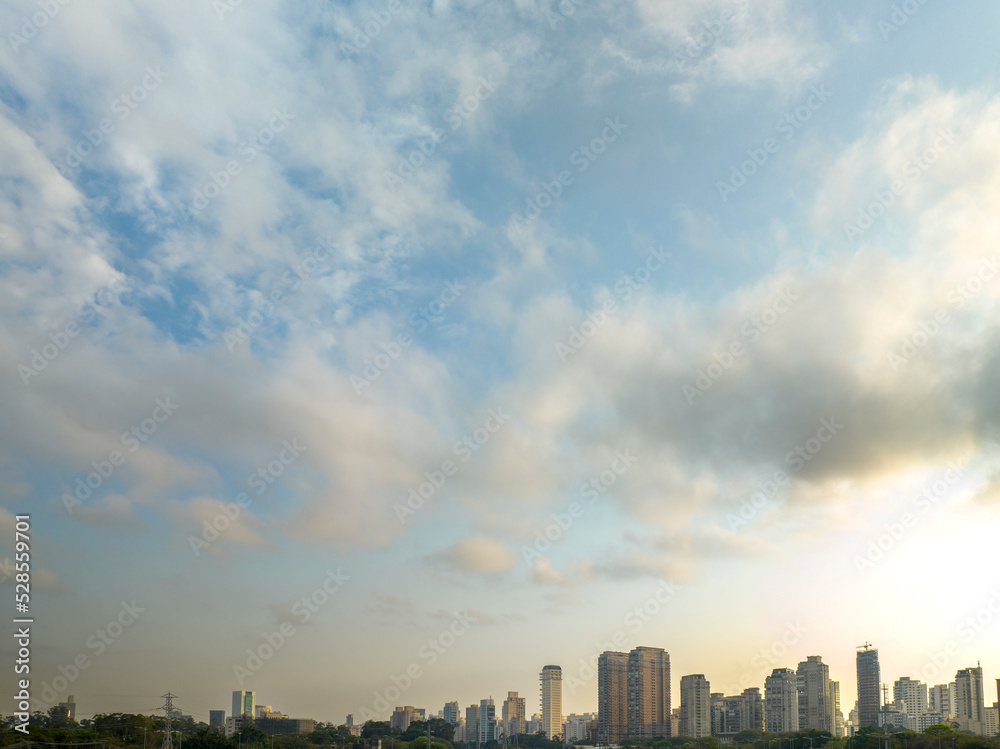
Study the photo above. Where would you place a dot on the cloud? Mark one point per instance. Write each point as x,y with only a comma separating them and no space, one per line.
111,511
723,43
232,528
476,555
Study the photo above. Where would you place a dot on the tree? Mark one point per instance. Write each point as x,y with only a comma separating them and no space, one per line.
421,743
938,729
439,727
59,717
206,739
375,729
252,736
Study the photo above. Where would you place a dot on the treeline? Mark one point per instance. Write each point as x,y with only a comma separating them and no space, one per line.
131,731
939,736
135,731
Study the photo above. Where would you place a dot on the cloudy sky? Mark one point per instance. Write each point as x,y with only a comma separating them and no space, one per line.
529,329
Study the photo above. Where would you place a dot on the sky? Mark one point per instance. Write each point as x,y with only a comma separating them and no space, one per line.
381,353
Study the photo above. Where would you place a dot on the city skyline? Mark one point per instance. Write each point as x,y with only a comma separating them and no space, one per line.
970,699
374,353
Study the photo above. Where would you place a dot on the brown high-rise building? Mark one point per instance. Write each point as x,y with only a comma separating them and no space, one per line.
514,721
612,698
969,698
648,693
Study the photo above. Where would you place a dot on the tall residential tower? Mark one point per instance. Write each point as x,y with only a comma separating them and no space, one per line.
648,693
869,681
612,698
551,678
781,702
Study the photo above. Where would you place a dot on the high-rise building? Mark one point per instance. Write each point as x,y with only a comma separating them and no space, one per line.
551,689
244,703
992,715
70,707
451,713
969,700
717,711
751,710
649,693
472,723
813,685
913,695
612,698
781,702
941,699
869,682
730,715
991,722
836,716
534,723
236,723
487,721
892,714
732,711
696,718
217,720
514,715
576,726
402,717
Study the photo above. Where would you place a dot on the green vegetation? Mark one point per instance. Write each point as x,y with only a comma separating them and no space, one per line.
935,737
129,731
